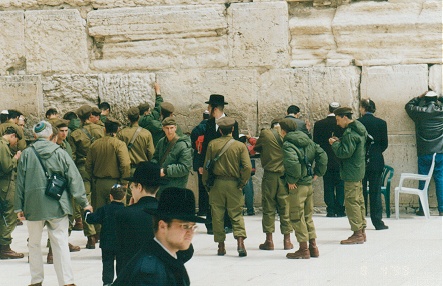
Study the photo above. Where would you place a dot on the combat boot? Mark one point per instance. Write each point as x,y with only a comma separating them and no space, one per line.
313,249
287,244
241,247
268,244
91,242
50,257
7,253
78,224
221,249
301,253
356,238
73,248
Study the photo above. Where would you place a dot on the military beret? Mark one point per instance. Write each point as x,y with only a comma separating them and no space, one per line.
343,111
60,122
133,111
83,110
169,121
288,125
166,106
143,106
96,110
112,120
226,122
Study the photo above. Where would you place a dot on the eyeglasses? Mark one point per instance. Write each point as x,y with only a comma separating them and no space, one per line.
186,227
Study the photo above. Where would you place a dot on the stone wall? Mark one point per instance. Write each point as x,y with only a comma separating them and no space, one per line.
263,56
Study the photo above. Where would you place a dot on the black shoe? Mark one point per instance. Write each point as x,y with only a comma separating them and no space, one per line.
330,215
341,215
228,230
381,227
420,213
251,213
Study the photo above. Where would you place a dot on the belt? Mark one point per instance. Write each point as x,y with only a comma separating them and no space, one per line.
227,178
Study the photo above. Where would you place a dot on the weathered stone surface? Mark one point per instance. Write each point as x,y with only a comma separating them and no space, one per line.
12,42
188,91
154,38
309,88
258,34
382,33
436,78
391,87
55,42
23,93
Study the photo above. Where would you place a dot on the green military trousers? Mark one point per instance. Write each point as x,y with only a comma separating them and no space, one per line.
225,196
355,205
88,229
7,225
275,197
301,207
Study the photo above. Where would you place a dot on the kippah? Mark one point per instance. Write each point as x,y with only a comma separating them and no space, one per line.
40,127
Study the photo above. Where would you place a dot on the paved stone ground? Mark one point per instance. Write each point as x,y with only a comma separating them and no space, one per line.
409,253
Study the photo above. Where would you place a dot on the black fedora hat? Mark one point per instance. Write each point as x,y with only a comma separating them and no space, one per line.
148,174
216,99
176,203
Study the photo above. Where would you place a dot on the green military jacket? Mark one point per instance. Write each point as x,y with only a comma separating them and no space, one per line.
351,152
234,163
143,146
296,145
67,147
145,120
31,183
108,157
7,162
271,152
80,142
21,145
177,163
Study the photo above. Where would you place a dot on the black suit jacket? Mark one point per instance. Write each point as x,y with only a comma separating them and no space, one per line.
323,130
378,129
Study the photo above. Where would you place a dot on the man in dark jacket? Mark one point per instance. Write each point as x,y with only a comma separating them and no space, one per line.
427,113
300,154
333,188
158,263
378,129
350,149
293,113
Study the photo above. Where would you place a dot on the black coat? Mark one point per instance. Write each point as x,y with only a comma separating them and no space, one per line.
378,129
152,265
212,133
323,130
196,132
106,217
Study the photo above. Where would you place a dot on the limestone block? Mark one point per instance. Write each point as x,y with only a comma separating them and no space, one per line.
391,87
68,92
23,93
312,89
312,41
12,39
258,34
436,78
383,33
55,41
164,37
188,91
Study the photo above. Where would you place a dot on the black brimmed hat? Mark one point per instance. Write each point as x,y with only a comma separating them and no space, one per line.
216,99
176,203
148,174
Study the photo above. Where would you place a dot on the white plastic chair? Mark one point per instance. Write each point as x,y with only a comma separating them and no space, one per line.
423,194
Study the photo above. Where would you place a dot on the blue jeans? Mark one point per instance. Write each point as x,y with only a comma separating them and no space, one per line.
424,164
248,191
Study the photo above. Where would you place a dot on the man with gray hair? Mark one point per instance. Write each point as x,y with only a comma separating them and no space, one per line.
39,209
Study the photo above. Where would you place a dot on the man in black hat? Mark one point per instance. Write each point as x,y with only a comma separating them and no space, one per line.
216,105
158,262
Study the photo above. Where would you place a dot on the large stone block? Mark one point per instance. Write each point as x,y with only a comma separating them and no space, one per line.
312,89
188,91
258,34
12,42
155,38
391,87
55,42
436,78
382,33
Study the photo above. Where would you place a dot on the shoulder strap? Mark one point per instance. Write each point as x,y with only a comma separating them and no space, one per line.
171,144
88,134
40,160
277,137
131,143
223,150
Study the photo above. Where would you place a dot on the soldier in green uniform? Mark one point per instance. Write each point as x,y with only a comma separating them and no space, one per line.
274,193
148,114
8,165
107,163
232,171
174,154
11,119
105,111
350,149
300,155
80,141
95,116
